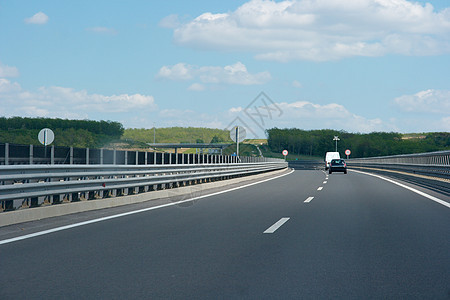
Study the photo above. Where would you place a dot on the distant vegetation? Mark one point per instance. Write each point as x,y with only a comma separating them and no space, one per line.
178,135
301,144
70,133
318,142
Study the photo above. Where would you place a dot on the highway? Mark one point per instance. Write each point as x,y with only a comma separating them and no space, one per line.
305,235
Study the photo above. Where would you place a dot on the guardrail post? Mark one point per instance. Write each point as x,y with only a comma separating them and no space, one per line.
101,156
126,157
146,158
31,154
87,156
6,153
71,156
52,155
137,158
114,157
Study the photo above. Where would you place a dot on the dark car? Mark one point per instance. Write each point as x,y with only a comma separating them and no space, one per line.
338,165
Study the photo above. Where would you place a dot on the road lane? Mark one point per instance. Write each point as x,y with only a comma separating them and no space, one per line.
360,238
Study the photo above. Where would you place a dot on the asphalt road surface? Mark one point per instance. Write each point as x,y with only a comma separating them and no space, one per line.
306,235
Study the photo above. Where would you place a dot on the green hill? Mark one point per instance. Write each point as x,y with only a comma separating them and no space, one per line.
177,135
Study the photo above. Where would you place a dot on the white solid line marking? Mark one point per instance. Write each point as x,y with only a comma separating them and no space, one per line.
308,200
320,188
408,188
277,225
39,233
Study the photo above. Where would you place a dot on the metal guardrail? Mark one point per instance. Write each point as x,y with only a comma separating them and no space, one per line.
306,164
32,185
432,164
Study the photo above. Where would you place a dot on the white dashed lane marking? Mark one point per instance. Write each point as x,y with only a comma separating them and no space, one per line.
277,225
308,200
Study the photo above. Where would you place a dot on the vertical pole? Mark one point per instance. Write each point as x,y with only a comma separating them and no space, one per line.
237,140
71,156
6,153
114,156
137,157
126,157
31,154
101,156
146,158
52,155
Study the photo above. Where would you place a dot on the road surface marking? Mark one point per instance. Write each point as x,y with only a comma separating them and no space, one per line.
437,200
308,200
39,233
320,188
324,182
277,225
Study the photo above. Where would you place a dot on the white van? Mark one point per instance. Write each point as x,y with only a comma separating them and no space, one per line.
329,156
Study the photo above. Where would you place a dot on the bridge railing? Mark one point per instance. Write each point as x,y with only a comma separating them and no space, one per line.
432,163
14,154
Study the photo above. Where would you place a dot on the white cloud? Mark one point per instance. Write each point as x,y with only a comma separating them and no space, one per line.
322,30
197,87
232,74
299,114
67,103
188,118
429,101
445,123
40,18
296,84
308,115
180,71
171,21
102,30
7,87
7,71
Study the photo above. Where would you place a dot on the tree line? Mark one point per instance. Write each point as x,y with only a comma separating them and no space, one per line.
69,133
318,142
110,128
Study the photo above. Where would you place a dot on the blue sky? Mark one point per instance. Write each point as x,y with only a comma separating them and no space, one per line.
355,65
